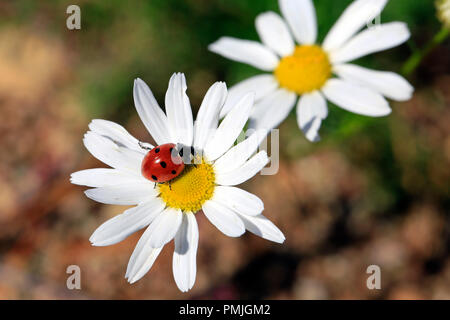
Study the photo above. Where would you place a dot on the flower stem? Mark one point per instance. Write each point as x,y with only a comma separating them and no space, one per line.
416,58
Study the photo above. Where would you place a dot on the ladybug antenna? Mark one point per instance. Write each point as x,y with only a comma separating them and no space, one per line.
144,145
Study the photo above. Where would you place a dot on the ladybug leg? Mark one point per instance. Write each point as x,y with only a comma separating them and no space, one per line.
143,146
170,185
154,186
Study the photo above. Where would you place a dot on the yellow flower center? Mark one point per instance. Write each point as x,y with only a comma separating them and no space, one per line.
305,71
191,189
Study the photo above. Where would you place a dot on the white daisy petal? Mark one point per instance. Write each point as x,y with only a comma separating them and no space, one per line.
272,110
229,128
238,200
372,40
312,130
184,256
123,194
389,84
149,256
311,109
224,219
102,177
355,98
236,156
116,133
142,258
108,152
261,85
263,227
244,172
150,112
178,109
274,33
357,14
164,227
301,17
121,226
245,51
208,114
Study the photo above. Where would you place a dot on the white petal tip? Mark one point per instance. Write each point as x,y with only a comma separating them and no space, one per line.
313,139
406,96
215,46
278,239
212,46
184,289
178,75
236,233
88,194
406,29
132,281
387,111
94,243
221,84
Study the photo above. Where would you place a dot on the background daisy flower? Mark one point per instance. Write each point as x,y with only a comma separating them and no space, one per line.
307,70
168,212
443,11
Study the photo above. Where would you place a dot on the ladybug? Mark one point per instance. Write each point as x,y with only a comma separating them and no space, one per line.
162,163
165,162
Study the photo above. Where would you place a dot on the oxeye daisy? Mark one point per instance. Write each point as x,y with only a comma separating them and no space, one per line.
314,72
168,210
443,11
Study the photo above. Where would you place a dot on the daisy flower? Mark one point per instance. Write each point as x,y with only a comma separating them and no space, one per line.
443,11
307,69
168,211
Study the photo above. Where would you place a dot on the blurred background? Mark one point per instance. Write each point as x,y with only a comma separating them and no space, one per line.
373,191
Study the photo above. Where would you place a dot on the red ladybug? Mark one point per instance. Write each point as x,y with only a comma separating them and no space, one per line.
162,163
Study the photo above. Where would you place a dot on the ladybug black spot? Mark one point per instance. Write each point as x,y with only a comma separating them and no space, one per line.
156,150
163,164
154,177
174,172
